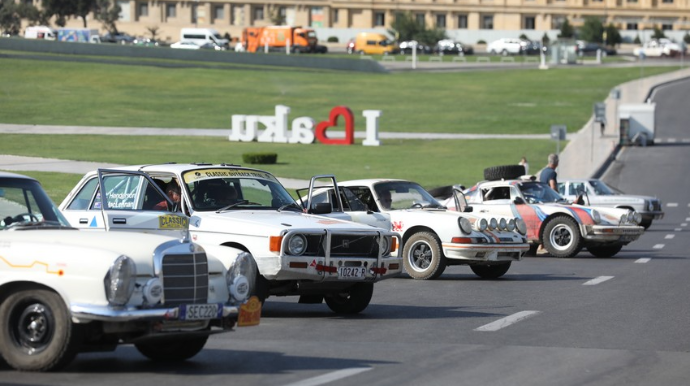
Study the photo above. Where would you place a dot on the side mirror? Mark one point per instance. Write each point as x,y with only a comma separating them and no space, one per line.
321,208
519,200
467,209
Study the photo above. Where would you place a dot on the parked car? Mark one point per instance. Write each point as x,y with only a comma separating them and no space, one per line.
450,47
434,238
297,254
506,46
147,42
561,228
532,47
406,47
590,49
190,45
596,192
65,291
659,48
118,37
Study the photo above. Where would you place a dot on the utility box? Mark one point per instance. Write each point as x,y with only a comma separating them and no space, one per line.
636,122
563,52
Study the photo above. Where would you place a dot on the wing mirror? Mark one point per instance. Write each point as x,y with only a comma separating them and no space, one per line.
321,208
519,200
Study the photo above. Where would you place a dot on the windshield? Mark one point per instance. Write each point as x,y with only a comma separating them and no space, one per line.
221,189
23,202
403,195
539,193
601,189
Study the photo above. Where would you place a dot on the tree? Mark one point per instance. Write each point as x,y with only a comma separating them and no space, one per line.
545,39
62,9
108,14
592,30
637,40
10,20
405,26
275,16
567,30
154,31
686,38
658,33
613,37
33,15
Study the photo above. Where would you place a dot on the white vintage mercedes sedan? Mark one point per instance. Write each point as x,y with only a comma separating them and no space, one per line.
65,291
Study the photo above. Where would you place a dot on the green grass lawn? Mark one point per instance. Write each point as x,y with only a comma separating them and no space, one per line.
112,95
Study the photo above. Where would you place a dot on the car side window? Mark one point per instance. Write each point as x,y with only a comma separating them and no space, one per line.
576,188
82,200
123,192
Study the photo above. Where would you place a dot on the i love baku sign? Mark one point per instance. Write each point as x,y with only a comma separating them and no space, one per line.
245,128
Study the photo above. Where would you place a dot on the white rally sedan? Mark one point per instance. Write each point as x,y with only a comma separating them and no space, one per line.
63,291
302,254
433,237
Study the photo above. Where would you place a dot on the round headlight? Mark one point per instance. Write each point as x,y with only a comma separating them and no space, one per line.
384,246
297,245
465,225
638,218
502,224
624,218
482,224
119,281
153,291
511,225
596,216
493,224
521,226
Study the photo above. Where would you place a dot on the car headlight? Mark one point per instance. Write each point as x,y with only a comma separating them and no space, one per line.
297,245
384,246
521,226
511,225
482,224
241,276
119,281
596,216
465,225
493,224
502,224
637,218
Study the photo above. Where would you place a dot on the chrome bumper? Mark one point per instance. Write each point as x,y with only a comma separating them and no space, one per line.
485,252
111,314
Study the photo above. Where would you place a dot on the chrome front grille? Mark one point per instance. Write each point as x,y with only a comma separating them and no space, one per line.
343,245
185,279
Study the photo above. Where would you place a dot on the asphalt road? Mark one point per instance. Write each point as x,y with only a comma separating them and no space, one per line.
580,321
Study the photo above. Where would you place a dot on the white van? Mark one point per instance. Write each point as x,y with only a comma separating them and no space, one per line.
40,32
202,36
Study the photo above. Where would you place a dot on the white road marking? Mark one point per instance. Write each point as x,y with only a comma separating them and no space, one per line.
507,321
671,140
330,377
683,224
678,229
598,280
669,236
672,204
658,246
643,260
687,219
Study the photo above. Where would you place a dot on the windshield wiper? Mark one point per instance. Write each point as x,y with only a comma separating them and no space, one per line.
290,205
240,202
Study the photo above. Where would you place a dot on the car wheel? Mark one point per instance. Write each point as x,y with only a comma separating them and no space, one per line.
491,271
605,250
422,256
37,332
508,172
492,52
351,301
561,237
504,52
171,349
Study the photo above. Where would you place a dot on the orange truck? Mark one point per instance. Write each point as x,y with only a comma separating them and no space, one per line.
277,38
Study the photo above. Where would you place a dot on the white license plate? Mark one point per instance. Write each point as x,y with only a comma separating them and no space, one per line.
346,273
200,311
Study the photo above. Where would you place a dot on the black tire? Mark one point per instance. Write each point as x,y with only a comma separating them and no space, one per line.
561,237
352,300
492,271
37,333
504,52
508,172
646,223
172,349
605,250
261,289
423,257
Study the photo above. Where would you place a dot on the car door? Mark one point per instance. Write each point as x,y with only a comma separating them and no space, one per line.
130,197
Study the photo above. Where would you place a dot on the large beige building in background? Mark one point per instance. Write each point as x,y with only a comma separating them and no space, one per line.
474,18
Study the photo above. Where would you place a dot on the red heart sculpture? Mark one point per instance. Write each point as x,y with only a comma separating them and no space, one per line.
333,120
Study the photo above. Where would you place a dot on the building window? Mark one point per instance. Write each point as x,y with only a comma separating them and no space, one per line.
440,21
419,17
487,22
529,22
335,16
666,27
631,26
170,10
462,21
379,19
557,22
667,1
143,9
195,14
632,1
218,12
258,13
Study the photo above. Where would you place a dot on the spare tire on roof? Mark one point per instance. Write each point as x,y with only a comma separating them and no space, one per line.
506,172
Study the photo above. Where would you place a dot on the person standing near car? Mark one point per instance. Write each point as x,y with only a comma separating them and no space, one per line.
548,175
525,164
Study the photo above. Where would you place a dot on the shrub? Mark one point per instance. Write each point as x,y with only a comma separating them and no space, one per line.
259,158
637,40
481,42
332,39
686,38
